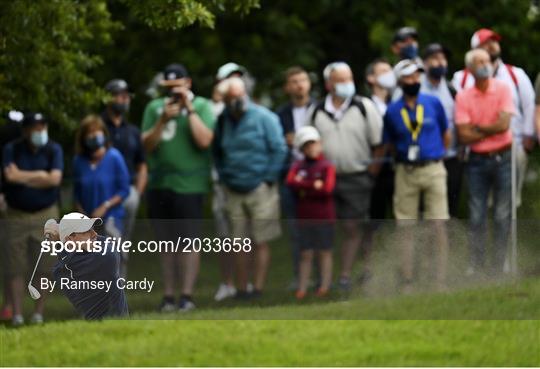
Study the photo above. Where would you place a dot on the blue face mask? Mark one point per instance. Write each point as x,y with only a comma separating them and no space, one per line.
345,90
39,138
409,52
484,72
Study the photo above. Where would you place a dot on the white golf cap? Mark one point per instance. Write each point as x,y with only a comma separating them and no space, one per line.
304,135
76,223
407,67
227,69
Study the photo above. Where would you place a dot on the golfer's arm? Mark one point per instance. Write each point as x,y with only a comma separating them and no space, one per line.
537,121
447,138
151,138
115,200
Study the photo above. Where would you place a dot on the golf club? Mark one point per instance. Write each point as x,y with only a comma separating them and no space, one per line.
34,293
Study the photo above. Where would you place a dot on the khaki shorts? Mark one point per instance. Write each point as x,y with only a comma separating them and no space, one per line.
254,214
411,181
24,236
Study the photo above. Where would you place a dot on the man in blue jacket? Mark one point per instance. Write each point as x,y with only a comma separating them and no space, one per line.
249,152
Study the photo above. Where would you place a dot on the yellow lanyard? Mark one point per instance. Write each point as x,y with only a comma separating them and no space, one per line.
419,121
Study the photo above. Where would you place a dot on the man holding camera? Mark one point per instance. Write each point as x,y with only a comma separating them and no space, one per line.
177,134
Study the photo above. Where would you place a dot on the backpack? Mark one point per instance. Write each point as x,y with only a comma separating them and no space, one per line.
356,101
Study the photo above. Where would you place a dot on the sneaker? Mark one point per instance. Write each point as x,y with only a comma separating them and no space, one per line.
167,305
300,295
37,319
186,304
6,314
17,320
224,292
321,292
242,295
344,284
250,288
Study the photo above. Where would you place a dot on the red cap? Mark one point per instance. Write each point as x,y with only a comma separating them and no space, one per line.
483,35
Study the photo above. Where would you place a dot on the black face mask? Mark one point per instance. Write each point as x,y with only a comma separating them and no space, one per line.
437,72
411,89
94,143
119,108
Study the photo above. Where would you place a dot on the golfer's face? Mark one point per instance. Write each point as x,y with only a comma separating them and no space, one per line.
83,236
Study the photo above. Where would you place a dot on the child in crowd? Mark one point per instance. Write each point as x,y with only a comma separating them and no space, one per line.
313,180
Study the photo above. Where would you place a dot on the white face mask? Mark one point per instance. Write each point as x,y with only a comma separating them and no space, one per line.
387,80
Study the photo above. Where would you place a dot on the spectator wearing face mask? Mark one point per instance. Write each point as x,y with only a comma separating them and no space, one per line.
177,136
416,130
126,138
483,115
435,57
523,126
249,153
405,43
381,82
350,128
101,177
32,167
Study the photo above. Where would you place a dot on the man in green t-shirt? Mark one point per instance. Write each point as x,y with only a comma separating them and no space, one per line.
177,134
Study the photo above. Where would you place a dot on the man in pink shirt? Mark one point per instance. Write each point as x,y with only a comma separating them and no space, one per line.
483,114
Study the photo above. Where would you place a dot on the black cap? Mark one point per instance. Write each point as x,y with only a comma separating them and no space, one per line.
175,71
405,32
434,48
31,119
115,86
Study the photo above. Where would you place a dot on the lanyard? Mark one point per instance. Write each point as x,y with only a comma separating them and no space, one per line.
415,131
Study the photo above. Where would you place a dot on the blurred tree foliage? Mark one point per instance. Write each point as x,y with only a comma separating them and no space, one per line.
56,54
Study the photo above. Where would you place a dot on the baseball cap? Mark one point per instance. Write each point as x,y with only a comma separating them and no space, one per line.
483,35
406,67
304,135
405,32
116,86
31,118
173,72
76,223
434,48
227,69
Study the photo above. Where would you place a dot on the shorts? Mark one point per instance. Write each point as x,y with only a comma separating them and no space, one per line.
410,182
353,195
24,236
254,214
175,214
316,236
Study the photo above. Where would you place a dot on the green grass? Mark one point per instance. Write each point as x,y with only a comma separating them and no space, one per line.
209,338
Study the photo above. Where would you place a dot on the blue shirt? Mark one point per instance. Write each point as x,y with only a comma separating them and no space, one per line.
126,138
95,185
430,139
48,157
92,266
249,151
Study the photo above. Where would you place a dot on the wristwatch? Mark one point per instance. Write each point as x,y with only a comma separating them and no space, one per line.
192,111
107,204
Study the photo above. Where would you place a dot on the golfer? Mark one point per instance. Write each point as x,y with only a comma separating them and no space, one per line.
85,265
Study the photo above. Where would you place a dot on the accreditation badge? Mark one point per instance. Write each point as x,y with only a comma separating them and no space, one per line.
413,154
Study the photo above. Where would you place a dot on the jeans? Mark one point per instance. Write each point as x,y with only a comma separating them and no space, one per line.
489,174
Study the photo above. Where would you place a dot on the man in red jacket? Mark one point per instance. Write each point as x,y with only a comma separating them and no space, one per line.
313,179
